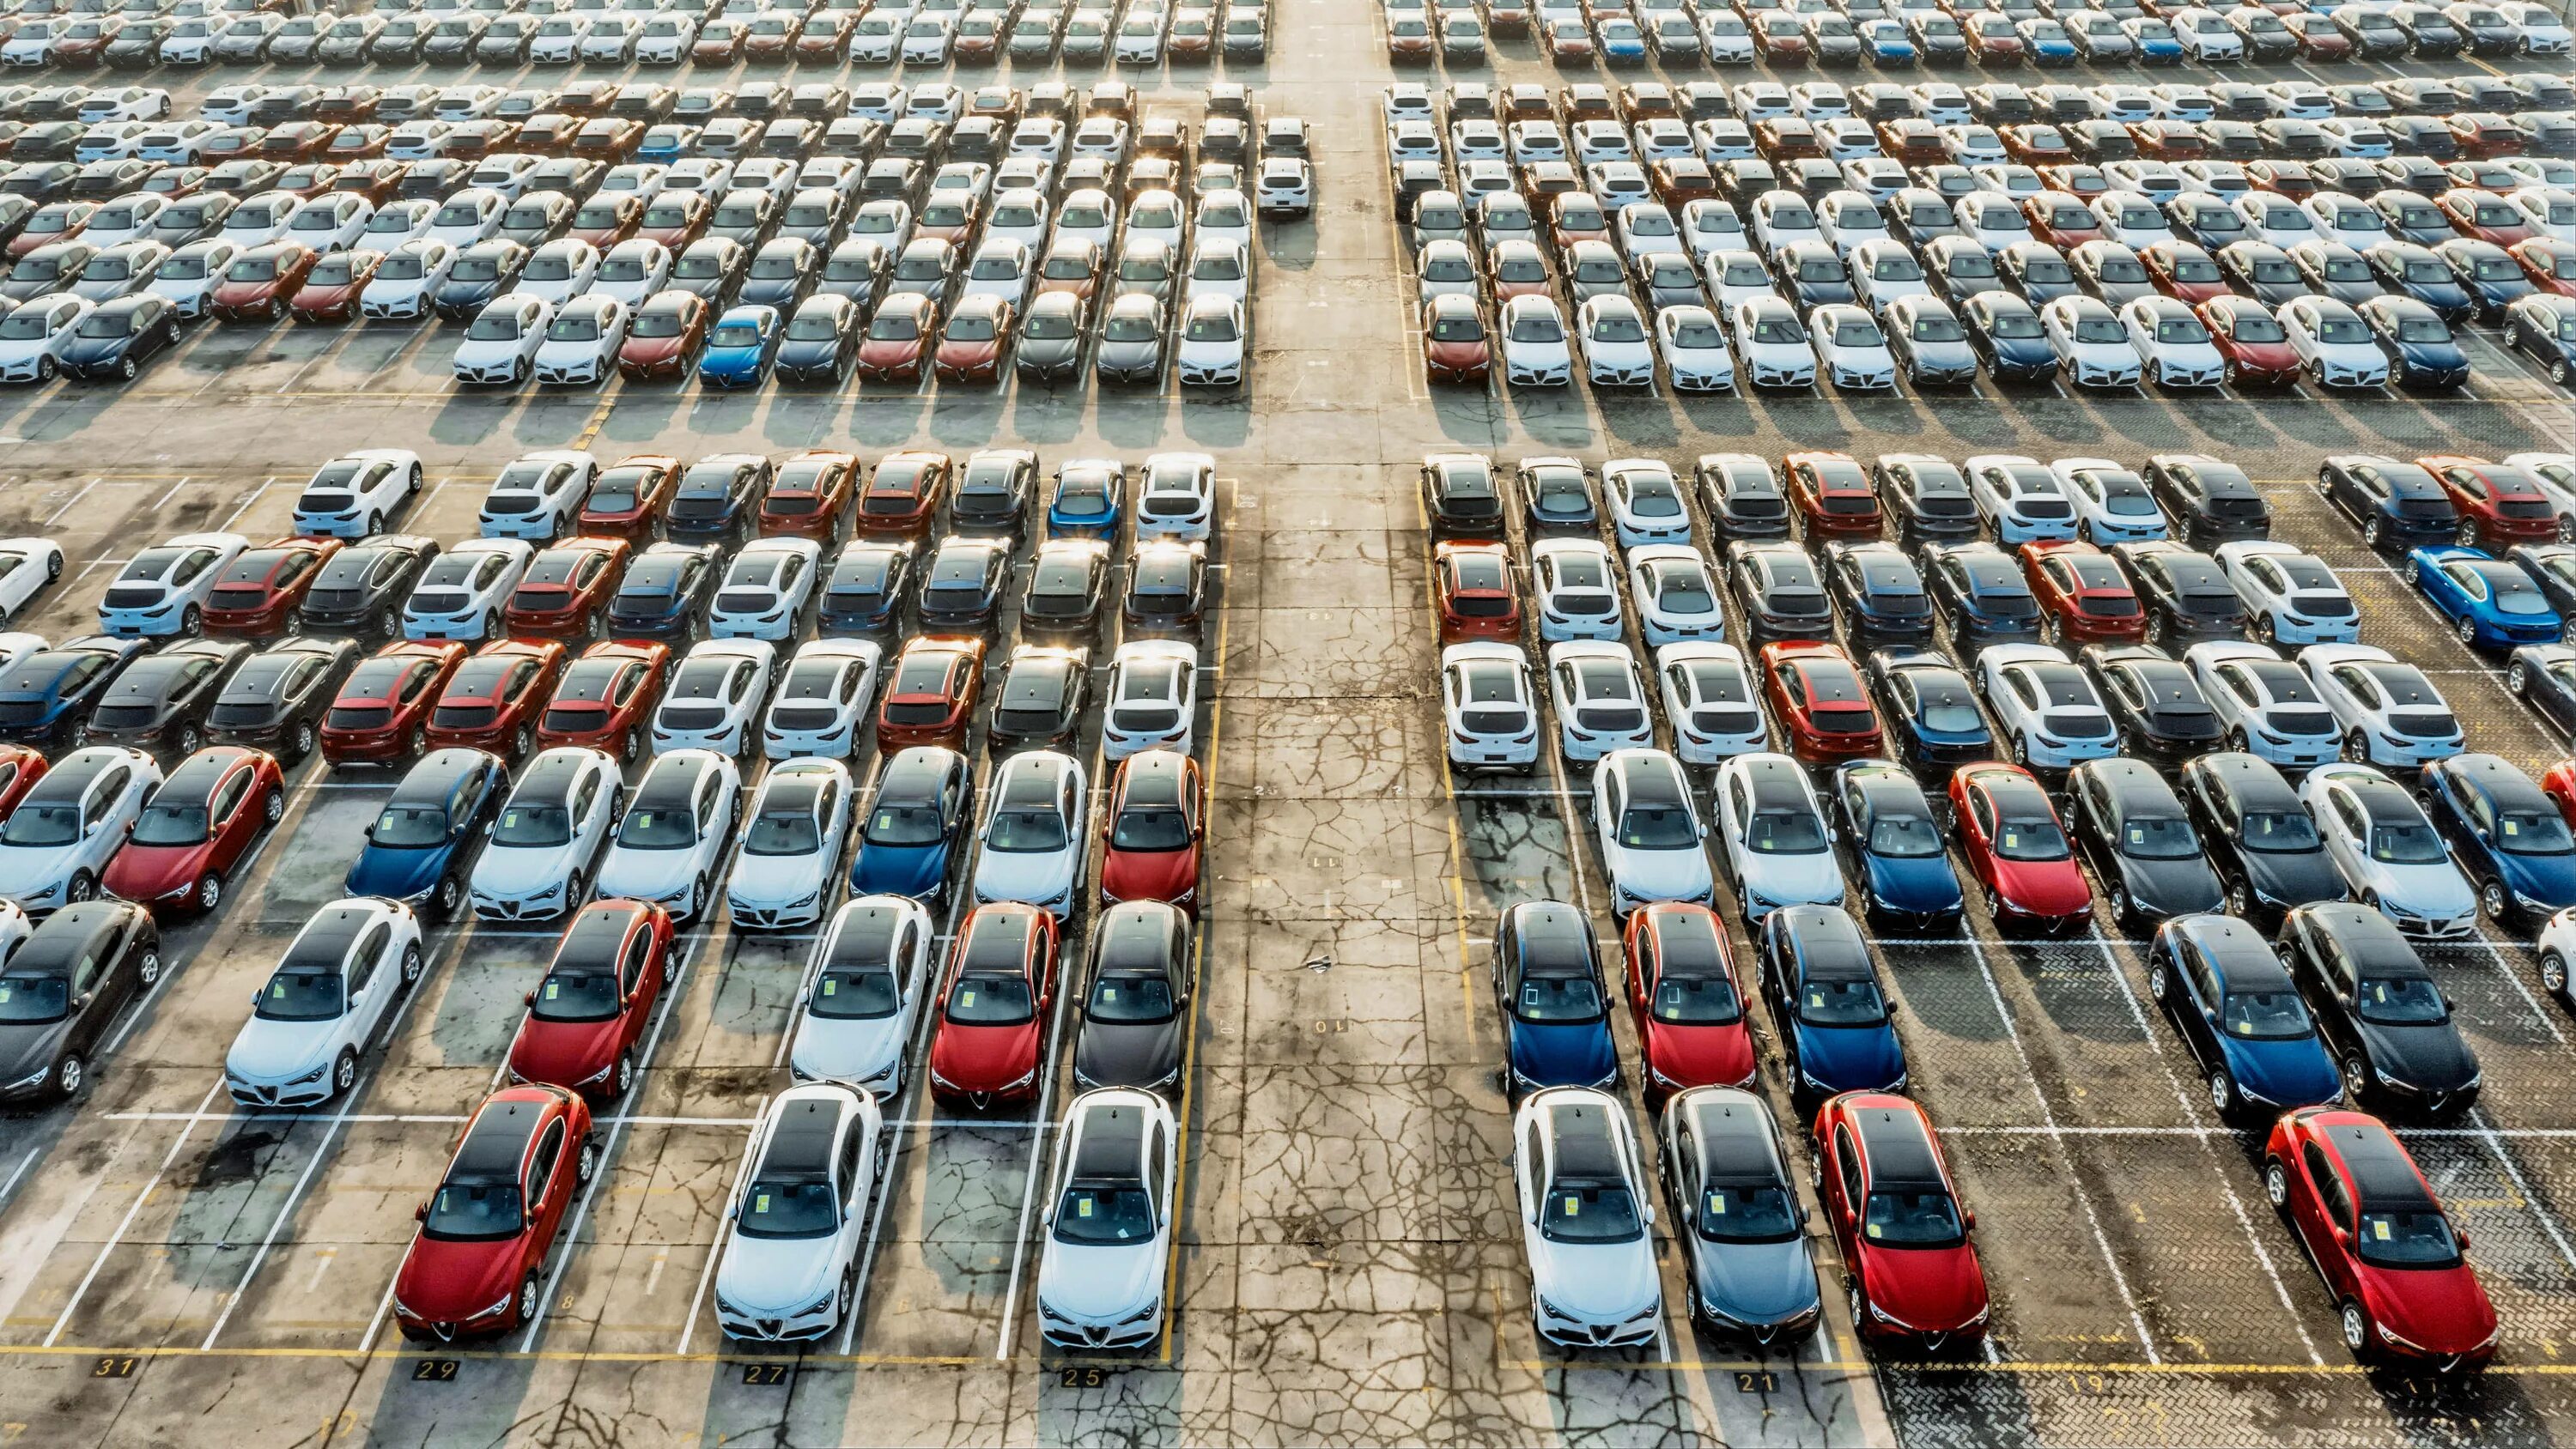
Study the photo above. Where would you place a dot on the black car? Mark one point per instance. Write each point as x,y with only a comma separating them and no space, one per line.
1166,589
2004,331
857,269
2208,500
480,273
993,492
2262,271
665,593
2553,567
160,703
961,586
2186,595
1039,703
2258,836
1068,589
2398,504
2132,829
2156,705
361,588
2544,676
1779,591
865,589
1925,496
821,342
1815,276
780,274
717,498
1877,593
50,268
1983,593
1741,496
2379,1011
2543,328
63,988
1132,1013
708,269
113,342
1929,711
1463,496
276,699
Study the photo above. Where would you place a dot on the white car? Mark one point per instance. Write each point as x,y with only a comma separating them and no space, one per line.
713,696
34,334
128,218
1177,498
461,593
2293,592
2019,498
1676,598
2556,475
1780,218
331,993
559,271
1708,697
1535,350
1773,838
261,219
820,707
1850,220
1853,348
188,276
500,346
677,827
2391,714
1152,698
2045,705
27,566
331,222
544,846
1034,838
862,993
766,590
2112,504
403,282
2090,337
1576,590
2387,851
467,217
162,590
1490,706
581,342
1586,1225
2543,32
2334,346
1219,266
798,823
1772,343
612,39
1613,339
1211,348
2346,219
2546,210
356,494
1645,502
1693,347
632,272
1108,1243
59,837
2277,219
2268,706
537,494
799,1215
1599,701
399,221
1650,831
1711,225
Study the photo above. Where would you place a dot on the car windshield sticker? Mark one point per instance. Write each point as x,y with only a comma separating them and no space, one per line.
1573,1205
966,997
554,988
2512,827
2379,1228
1082,1207
830,986
760,1202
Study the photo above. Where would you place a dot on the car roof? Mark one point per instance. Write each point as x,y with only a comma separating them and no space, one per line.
1587,1148
2384,1175
1111,1144
1898,1145
803,1130
497,1142
438,773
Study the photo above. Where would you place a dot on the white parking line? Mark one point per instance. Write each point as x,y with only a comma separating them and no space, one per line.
173,492
140,1198
6,1188
72,502
235,516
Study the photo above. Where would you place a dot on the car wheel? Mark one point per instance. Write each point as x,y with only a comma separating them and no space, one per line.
2121,906
304,742
2517,679
128,370
2240,900
81,889
2467,535
586,1165
210,891
191,622
2553,973
2558,371
2021,754
2492,900
2222,1092
344,1072
189,739
2276,1184
625,1077
626,749
530,1294
2356,1076
2373,531
294,625
2356,748
520,741
2236,740
411,965
2155,629
2468,632
418,744
2159,983
44,369
448,895
1859,1303
69,1074
2356,1329
54,566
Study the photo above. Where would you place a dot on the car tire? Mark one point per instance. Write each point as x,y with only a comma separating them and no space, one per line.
209,892
585,1164
2466,536
411,967
1859,1303
2356,1074
45,369
2222,1093
54,566
2276,1184
531,1296
2236,740
83,887
128,370
69,1074
2159,983
520,741
2356,1328
2021,754
2356,748
625,1077
2517,678
2493,902
2122,908
418,744
2373,531
2553,974
344,1072
2240,900
191,623
2468,633
304,741
190,738
448,897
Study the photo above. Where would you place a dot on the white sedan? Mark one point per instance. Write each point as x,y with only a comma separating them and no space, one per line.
2334,346
1034,840
1152,698
1535,351
862,993
34,334
2090,337
2391,714
2045,705
57,840
1772,343
675,832
1650,831
1676,599
2295,595
791,848
500,346
2173,346
1693,346
461,593
714,695
1612,338
822,701
766,589
1853,348
332,990
581,342
1489,705
537,863
404,280
27,566
798,1218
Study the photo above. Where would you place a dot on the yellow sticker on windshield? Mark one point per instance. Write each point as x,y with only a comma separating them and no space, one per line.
1573,1206
1717,1203
1874,1230
966,997
1082,1207
830,986
553,989
2011,840
2512,828
760,1202
2379,1229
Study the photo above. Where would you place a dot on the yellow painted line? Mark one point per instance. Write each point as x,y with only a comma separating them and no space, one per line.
1449,791
598,419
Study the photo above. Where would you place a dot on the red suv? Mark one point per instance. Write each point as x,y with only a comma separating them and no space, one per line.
585,1018
566,588
1897,1219
932,698
258,594
1476,600
1817,695
810,496
1832,494
203,821
1688,1005
2016,848
2082,593
492,700
605,698
627,500
993,1005
903,495
2499,504
475,1265
382,711
1157,821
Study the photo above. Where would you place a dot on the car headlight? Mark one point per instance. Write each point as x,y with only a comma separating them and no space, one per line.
497,1308
1550,1309
314,1075
1142,1314
29,1082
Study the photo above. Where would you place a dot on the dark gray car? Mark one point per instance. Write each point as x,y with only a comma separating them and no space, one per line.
63,987
1140,985
1743,1234
1131,342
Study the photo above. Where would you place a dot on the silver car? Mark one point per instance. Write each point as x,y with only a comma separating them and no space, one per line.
1108,1238
862,994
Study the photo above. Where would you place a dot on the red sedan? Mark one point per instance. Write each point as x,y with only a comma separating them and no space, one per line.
1150,850
1817,696
2183,271
993,1006
675,218
810,495
605,698
2391,1256
902,498
1687,1002
585,1018
1472,585
664,340
2062,220
258,282
627,500
1832,494
2257,351
2549,263
566,588
331,288
493,699
897,345
1896,1217
2499,504
204,820
2484,216
2082,593
2559,784
932,698
2010,836
258,594
974,340
382,711
1455,347
21,766
475,1265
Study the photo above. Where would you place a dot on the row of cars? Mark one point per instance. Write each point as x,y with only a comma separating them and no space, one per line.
1653,231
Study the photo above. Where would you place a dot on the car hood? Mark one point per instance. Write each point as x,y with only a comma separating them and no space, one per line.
1927,884
1129,354
900,870
2283,1073
777,881
94,349
829,1049
1944,354
1119,1054
271,1053
1699,1055
646,874
808,354
1926,1287
2023,350
509,872
2294,878
143,872
445,1281
395,873
983,1058
1791,880
1562,1054
2547,879
27,869
2443,1311
773,1277
1599,1282
1025,875
1147,874
2172,887
1098,1285
2435,1058
2044,887
1050,351
1756,1283
566,1053
1672,875
27,1050
2437,890
1851,1058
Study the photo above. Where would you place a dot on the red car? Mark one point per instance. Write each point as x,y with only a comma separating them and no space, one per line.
2082,593
2484,216
607,219
1472,586
1687,1002
331,288
2010,837
626,500
675,219
21,766
1817,696
993,1005
2393,1259
604,698
258,594
2483,135
810,496
2257,351
2062,220
1896,1217
493,699
932,698
1568,42
1455,347
2559,784
2183,271
204,820
258,282
1150,850
585,1018
1832,494
902,497
566,588
664,340
2499,503
2286,175
475,1265
972,343
897,345
381,714
2549,263
2036,143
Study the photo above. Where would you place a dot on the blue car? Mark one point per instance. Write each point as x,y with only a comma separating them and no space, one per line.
665,144
2156,43
1890,48
1929,710
2422,354
2397,503
1826,1002
1892,844
2508,836
665,592
47,695
864,592
420,849
1086,499
1621,42
914,834
2240,1015
739,349
1982,590
1549,996
2005,332
2047,42
2490,602
2410,269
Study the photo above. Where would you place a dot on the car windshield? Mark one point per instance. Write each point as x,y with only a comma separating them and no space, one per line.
1130,1000
855,994
1658,827
647,828
1912,1219
2533,832
2406,842
783,832
2401,1001
2286,832
1785,832
171,823
1101,1216
1558,999
2158,838
2419,1238
2263,1015
1852,1001
1904,837
410,827
1590,1213
496,326
577,993
35,999
736,334
2425,330
798,1205
1026,830
474,1210
1150,828
991,1001
2030,838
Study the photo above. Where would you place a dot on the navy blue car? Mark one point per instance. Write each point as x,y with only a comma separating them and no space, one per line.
2508,836
1834,1021
421,847
2397,503
2422,354
1929,711
1549,996
864,592
665,592
2410,269
914,834
717,497
1892,845
2240,1015
1878,592
45,697
1982,590
2005,333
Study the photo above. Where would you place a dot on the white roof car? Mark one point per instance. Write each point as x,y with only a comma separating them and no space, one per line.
1676,596
34,334
1223,214
1852,348
2173,345
766,590
2046,705
1586,1225
1177,498
1772,836
1152,698
1650,831
1034,837
461,593
330,222
357,493
798,824
821,704
2112,504
1490,705
57,840
677,828
1773,343
162,590
501,343
2090,337
2293,592
537,494
1693,347
331,992
1576,590
2346,219
799,1216
1883,271
403,281
862,994
1599,701
559,271
127,218
632,271
1535,352
2334,346
2269,706
2019,498
2556,475
2387,851
1219,266
1108,1243
1617,350
1709,698
547,839
398,221
1645,502
2391,714
714,693
1211,346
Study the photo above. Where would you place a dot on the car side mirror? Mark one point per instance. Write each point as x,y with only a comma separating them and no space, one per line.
1650,1217
420,1213
1851,1219
529,999
1806,1215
